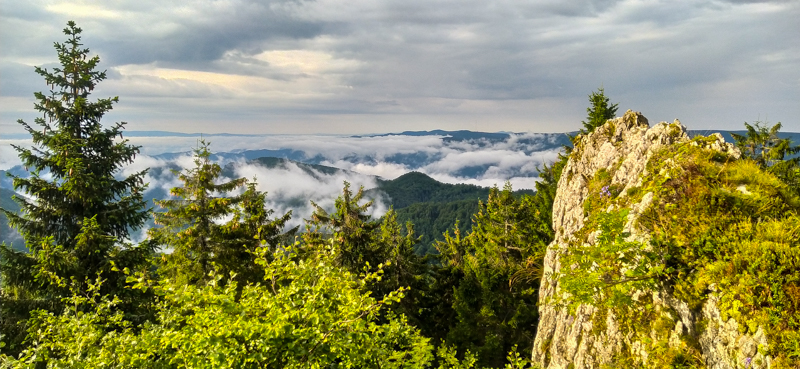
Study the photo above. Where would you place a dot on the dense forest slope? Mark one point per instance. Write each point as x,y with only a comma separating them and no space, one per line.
432,206
670,251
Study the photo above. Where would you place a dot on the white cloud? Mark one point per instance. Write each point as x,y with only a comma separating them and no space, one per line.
296,187
482,162
380,169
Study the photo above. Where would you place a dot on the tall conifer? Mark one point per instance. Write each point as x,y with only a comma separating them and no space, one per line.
193,226
79,213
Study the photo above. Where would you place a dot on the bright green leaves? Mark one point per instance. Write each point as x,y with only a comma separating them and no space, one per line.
607,272
303,314
772,153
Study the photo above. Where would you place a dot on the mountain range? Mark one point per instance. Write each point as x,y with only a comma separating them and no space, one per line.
433,178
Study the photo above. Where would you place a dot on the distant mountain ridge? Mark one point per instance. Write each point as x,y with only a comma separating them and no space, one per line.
453,135
433,206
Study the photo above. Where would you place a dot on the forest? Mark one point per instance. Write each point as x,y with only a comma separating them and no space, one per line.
222,282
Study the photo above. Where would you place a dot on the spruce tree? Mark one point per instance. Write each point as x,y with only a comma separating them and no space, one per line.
494,300
776,155
80,212
353,230
201,241
599,111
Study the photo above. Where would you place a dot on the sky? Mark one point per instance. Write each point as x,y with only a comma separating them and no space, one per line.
367,66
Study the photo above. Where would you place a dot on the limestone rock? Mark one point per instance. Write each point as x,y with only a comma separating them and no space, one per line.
623,147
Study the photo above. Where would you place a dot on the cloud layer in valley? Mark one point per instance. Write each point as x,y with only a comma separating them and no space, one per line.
487,160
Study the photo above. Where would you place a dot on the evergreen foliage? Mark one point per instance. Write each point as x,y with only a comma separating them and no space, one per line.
495,297
434,219
776,155
79,215
404,268
432,206
599,111
352,229
415,187
193,227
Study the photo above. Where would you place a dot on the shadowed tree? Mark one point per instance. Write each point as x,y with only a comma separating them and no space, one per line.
352,228
194,225
495,297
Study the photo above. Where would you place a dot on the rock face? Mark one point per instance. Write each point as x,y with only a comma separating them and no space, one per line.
623,147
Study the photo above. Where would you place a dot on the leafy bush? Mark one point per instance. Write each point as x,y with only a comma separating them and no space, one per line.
305,314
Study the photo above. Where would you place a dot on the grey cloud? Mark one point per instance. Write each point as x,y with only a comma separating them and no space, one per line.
202,33
19,79
441,62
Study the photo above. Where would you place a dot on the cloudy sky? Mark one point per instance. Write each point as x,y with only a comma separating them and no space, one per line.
372,66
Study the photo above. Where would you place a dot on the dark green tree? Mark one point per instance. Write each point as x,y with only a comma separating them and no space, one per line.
405,267
776,155
495,308
193,225
599,111
351,228
377,245
80,212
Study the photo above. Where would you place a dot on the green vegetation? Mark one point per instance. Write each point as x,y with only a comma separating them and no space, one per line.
736,238
191,226
433,219
599,112
774,154
433,207
220,283
305,313
77,227
415,187
497,264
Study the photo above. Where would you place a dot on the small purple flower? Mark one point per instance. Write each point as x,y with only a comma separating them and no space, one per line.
747,362
604,192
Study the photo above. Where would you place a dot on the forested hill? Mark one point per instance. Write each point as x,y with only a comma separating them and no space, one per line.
8,235
275,162
415,187
432,206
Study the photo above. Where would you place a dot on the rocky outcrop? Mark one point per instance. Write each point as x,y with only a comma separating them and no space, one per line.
623,147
